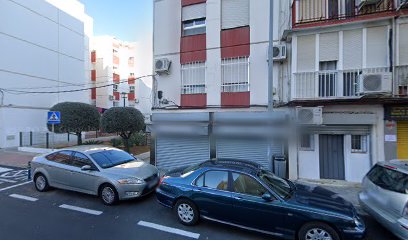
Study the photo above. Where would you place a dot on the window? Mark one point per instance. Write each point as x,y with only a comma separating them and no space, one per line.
327,78
194,27
235,74
132,74
358,143
63,157
132,89
214,179
234,13
280,186
193,78
247,185
80,160
115,87
111,158
307,142
115,51
389,179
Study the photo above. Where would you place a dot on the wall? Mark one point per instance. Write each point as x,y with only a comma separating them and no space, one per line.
309,161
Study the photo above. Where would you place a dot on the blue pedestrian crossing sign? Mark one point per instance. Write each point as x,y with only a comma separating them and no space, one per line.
54,118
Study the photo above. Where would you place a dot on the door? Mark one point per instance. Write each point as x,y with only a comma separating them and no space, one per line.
172,152
84,181
251,210
402,141
331,156
212,196
58,168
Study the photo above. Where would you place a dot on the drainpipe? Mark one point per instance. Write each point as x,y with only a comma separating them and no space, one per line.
270,58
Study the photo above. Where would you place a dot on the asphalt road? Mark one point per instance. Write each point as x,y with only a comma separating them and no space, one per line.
28,214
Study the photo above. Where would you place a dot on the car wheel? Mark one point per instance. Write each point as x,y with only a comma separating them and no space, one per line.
41,183
187,212
317,231
108,194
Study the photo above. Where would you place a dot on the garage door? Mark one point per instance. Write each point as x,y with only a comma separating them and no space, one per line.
252,150
402,141
174,152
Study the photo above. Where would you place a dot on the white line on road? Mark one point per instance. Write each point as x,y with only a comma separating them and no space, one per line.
169,229
2,169
6,188
6,180
79,209
31,199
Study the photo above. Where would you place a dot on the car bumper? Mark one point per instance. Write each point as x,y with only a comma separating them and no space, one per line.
355,234
164,198
398,226
131,191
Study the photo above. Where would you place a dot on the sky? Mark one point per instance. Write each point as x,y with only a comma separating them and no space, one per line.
128,20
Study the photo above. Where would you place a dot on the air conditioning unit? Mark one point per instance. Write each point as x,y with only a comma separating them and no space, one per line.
375,83
111,97
279,52
309,115
162,65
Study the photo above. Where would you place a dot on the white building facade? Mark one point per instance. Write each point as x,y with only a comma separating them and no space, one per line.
46,50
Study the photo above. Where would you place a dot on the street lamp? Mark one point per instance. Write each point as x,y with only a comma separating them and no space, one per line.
124,96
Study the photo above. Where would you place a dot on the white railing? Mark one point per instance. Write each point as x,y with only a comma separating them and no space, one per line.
330,84
401,75
193,78
235,75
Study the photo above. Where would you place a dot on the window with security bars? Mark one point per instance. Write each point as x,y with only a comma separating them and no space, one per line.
193,78
358,143
235,75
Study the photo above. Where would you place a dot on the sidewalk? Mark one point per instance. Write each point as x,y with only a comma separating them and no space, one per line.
14,158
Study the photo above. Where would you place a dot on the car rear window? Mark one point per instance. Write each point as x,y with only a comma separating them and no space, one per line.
389,179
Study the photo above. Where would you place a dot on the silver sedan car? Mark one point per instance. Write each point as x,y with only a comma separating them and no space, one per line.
107,172
385,196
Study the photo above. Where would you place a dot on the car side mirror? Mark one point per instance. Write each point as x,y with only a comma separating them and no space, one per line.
86,168
267,197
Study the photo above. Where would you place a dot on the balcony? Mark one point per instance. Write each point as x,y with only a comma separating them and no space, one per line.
401,74
322,85
314,13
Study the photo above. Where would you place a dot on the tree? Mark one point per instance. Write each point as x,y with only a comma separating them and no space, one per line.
76,118
123,120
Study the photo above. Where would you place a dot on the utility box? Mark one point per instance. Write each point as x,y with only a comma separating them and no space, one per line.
279,165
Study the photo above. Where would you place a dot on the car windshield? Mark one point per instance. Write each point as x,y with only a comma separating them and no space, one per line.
280,186
111,158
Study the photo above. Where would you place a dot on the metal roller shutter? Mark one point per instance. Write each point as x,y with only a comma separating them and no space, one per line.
353,49
402,141
343,129
377,47
195,11
234,13
403,44
329,47
306,53
252,150
172,152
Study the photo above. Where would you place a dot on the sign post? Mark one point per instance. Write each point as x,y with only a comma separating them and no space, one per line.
54,118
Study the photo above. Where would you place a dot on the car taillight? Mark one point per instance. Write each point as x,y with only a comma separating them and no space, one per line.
161,179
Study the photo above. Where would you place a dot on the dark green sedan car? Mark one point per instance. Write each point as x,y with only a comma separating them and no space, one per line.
242,194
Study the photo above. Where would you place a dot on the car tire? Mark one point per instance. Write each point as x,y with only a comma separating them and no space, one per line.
41,183
108,194
316,229
187,212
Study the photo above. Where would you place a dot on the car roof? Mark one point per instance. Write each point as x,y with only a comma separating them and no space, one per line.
233,164
396,164
89,149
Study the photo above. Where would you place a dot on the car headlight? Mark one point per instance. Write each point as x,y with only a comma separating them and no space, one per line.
358,223
131,181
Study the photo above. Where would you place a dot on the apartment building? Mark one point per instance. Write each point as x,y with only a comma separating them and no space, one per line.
349,63
45,50
211,60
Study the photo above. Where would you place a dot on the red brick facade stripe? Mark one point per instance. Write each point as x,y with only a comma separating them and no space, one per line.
193,48
93,56
131,80
93,93
116,78
235,99
191,2
93,75
116,95
235,43
131,96
115,59
194,100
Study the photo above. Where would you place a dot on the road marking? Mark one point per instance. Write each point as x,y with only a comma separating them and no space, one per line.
6,180
79,209
6,188
31,199
2,169
169,229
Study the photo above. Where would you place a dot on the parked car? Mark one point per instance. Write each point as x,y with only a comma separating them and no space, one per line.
385,195
110,173
242,194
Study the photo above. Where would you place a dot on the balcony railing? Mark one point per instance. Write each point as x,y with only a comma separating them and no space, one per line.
315,11
329,84
401,75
